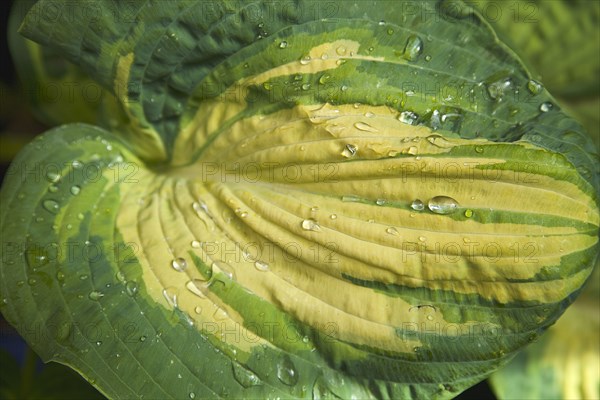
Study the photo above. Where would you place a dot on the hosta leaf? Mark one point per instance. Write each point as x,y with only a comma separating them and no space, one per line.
375,202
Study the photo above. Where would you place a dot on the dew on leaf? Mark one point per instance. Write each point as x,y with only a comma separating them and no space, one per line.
179,264
413,48
310,225
286,371
442,205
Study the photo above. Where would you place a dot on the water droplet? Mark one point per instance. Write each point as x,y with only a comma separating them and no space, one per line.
369,114
170,294
76,164
198,310
390,31
468,213
32,281
306,86
534,87
422,238
283,44
380,202
430,317
195,244
428,58
546,106
95,295
51,206
310,225
267,86
245,377
197,287
341,50
98,343
60,276
417,205
408,117
350,199
80,216
442,205
349,150
362,126
478,149
242,214
333,216
412,150
392,231
305,60
497,88
261,266
413,48
53,188
75,190
192,395
323,79
142,338
52,176
131,288
179,264
286,371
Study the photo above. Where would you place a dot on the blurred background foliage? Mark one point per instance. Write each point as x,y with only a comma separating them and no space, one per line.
558,40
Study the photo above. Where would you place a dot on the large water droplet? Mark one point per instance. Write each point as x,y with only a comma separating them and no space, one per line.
408,117
51,206
413,48
283,44
310,225
362,126
286,371
349,150
195,244
442,205
179,264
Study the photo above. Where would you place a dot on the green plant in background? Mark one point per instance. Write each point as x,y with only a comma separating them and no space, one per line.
294,199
